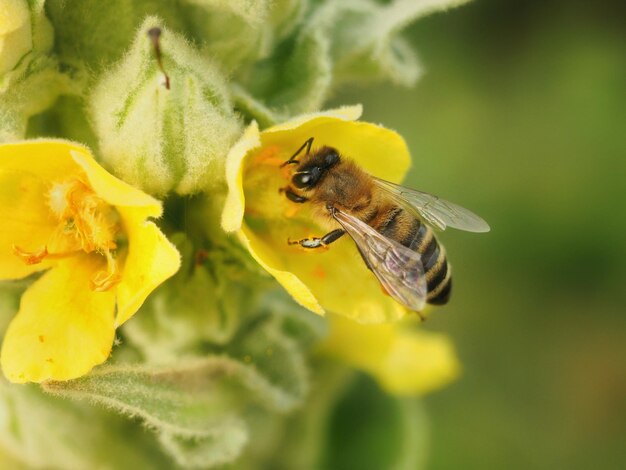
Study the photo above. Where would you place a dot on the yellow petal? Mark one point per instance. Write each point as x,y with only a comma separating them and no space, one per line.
347,113
58,159
404,360
267,259
151,259
26,170
232,215
25,221
336,280
113,190
418,362
379,151
63,328
48,159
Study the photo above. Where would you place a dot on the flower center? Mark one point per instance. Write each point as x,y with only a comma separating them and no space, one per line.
85,224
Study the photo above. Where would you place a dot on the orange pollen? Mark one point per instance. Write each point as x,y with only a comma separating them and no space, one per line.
268,156
319,272
292,210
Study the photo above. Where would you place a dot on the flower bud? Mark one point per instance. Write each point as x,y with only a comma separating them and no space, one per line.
15,33
29,77
163,115
23,27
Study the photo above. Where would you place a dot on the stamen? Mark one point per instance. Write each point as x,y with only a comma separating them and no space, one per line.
85,224
30,257
103,280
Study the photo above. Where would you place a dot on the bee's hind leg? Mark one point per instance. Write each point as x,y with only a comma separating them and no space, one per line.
317,242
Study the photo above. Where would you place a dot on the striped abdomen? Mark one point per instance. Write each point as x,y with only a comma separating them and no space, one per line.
403,227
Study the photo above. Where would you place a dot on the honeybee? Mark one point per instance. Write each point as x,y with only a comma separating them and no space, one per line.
390,224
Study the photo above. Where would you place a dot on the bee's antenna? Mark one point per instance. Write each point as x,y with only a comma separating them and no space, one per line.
307,144
154,34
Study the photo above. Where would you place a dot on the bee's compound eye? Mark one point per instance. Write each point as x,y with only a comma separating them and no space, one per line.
331,159
302,180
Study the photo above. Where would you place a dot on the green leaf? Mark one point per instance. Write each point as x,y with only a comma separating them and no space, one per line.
46,432
285,17
294,80
177,399
298,441
366,41
335,43
265,362
199,406
221,445
275,368
190,406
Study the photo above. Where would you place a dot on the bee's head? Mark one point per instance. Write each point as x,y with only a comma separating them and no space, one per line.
314,166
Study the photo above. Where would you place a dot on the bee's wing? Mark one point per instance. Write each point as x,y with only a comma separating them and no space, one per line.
398,268
436,211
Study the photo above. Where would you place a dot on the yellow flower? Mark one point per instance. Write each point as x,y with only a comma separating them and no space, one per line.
15,33
336,280
63,213
404,360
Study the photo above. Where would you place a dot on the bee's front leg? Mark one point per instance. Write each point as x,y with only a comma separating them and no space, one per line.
317,242
293,197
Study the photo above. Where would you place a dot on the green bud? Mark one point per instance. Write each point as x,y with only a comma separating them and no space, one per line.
234,33
23,28
163,115
15,33
208,299
29,78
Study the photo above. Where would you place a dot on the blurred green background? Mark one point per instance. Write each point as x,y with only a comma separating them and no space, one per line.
521,116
